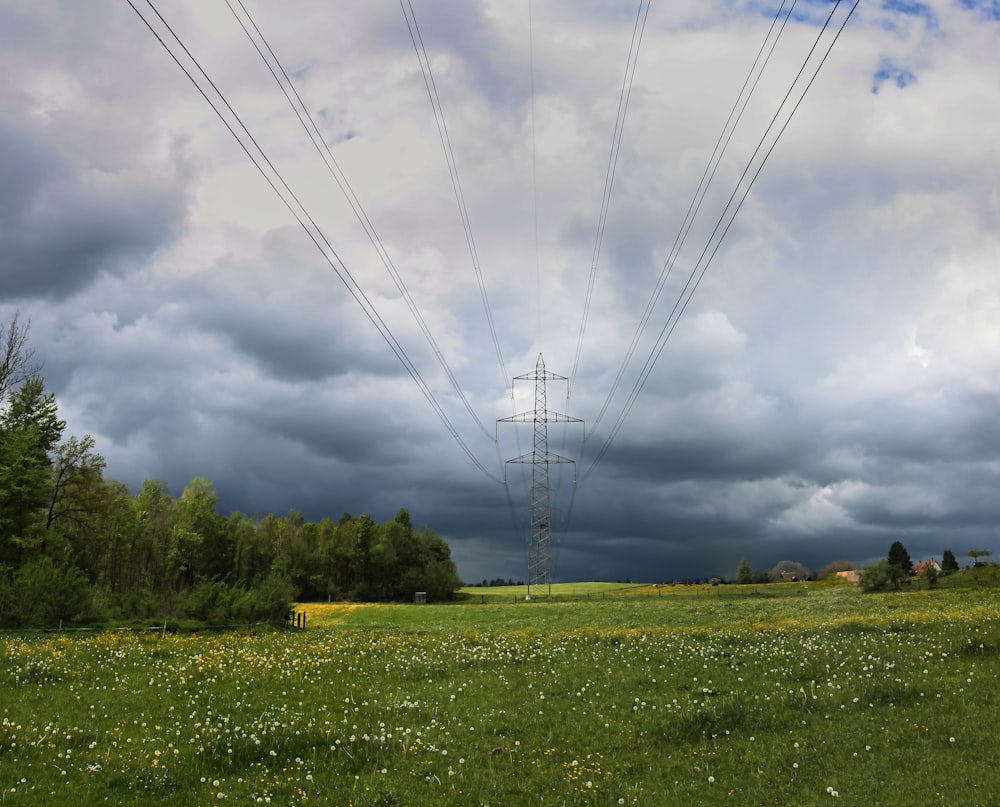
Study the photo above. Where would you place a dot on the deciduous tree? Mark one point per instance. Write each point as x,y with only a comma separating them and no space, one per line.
16,365
789,570
976,554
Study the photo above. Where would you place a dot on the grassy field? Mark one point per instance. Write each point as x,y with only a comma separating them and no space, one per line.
785,694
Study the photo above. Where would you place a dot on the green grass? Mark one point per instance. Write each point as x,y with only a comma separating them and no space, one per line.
777,694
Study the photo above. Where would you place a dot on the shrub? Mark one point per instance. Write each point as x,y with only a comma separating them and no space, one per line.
48,593
881,575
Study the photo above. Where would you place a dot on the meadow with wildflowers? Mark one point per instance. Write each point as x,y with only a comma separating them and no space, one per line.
791,694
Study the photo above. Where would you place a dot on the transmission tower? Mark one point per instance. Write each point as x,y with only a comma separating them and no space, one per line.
539,543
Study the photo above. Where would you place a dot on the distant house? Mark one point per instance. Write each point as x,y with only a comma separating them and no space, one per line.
921,565
850,576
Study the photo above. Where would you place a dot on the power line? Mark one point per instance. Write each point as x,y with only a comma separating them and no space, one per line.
333,167
315,234
534,172
682,302
625,94
694,207
442,127
609,177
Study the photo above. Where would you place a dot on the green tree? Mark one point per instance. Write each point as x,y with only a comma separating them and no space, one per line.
976,554
30,429
250,560
76,496
198,509
110,556
49,593
198,541
948,562
365,529
155,515
16,364
834,566
929,573
385,570
744,574
437,575
880,575
900,558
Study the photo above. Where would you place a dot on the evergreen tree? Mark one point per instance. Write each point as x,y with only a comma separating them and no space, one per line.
744,574
30,430
948,562
900,558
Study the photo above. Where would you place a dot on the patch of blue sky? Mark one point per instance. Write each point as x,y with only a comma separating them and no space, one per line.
303,71
986,9
810,12
910,9
888,70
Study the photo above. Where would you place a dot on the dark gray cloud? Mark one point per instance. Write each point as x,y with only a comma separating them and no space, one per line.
60,227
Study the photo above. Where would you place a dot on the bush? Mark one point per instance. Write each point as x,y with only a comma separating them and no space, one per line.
881,575
272,598
47,594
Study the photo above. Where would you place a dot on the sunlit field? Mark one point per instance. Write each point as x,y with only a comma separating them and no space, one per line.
785,694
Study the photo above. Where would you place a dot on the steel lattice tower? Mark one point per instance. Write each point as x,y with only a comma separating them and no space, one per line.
539,544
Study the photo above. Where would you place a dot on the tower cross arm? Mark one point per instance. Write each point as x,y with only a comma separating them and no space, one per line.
546,416
540,375
543,458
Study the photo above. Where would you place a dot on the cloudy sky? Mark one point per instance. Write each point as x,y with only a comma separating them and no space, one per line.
833,385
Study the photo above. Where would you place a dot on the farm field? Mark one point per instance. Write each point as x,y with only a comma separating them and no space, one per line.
784,694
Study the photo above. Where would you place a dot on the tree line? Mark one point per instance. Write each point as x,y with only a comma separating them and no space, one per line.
76,546
884,573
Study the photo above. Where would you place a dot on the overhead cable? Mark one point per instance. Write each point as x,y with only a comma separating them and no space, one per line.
625,94
333,167
609,177
442,127
534,172
695,278
409,15
273,177
694,207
